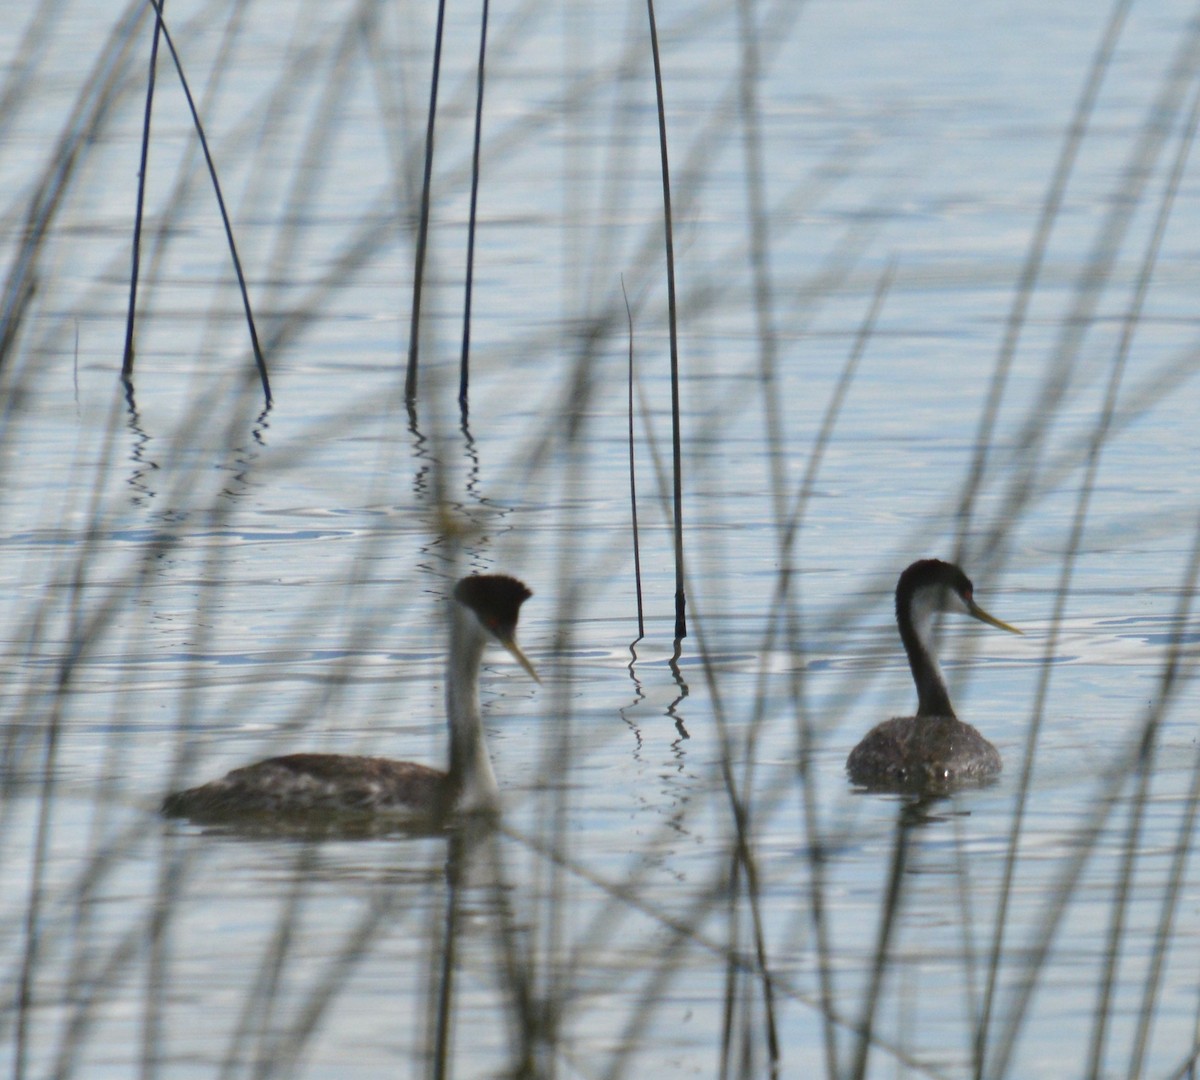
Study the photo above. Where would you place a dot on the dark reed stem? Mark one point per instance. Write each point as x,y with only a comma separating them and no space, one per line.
637,554
468,289
414,328
259,360
669,232
136,254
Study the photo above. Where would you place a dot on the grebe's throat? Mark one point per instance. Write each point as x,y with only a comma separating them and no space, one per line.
916,631
483,609
470,767
926,588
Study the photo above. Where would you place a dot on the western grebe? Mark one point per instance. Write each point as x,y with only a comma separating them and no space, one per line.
331,787
933,748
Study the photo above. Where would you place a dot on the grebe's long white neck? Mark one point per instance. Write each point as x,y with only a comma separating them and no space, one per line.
470,766
924,589
483,609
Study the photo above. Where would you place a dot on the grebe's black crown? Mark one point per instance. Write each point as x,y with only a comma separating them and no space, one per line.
925,573
495,598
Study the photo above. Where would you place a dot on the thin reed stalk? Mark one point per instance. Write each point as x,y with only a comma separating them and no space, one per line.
633,510
259,360
422,245
673,331
139,206
464,375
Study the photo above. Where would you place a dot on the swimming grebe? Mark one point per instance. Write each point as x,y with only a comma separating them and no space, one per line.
933,749
317,787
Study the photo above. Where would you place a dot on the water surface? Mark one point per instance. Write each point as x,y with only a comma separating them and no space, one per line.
191,583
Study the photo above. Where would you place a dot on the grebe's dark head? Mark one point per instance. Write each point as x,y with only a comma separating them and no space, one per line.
931,585
495,600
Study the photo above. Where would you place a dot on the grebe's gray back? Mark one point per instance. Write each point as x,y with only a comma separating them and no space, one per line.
317,788
933,749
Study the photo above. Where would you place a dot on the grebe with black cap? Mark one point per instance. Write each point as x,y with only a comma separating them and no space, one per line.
933,748
300,787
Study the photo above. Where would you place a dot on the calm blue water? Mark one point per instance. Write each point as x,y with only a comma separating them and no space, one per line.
249,583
